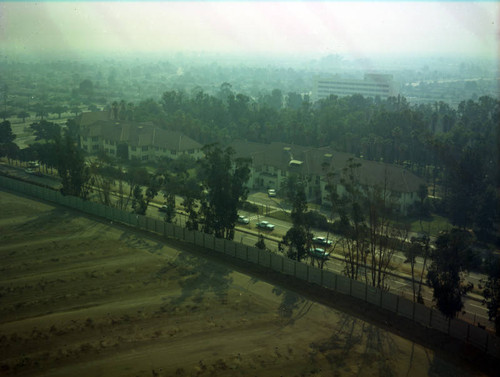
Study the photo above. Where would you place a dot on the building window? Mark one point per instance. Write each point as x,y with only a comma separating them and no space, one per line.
95,147
173,152
145,148
134,149
95,138
145,158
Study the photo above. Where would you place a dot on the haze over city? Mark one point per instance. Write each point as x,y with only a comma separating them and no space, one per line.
222,188
354,29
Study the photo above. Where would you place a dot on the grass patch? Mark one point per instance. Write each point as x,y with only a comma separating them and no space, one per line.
281,215
432,225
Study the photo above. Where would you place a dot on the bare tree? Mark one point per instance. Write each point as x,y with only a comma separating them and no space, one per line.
384,235
352,221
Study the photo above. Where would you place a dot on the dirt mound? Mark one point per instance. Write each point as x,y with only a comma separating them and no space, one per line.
80,297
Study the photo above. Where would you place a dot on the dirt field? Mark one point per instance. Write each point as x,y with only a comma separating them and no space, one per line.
79,297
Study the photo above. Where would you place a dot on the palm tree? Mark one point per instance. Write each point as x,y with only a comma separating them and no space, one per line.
23,115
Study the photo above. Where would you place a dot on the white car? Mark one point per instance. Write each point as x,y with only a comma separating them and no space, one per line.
322,241
319,253
266,225
271,193
243,219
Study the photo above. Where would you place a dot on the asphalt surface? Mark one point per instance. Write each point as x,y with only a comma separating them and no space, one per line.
249,234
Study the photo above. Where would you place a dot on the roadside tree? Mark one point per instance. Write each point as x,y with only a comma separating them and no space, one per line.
223,183
447,271
298,237
71,167
491,293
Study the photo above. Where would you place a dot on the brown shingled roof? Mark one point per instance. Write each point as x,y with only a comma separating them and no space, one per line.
371,173
88,118
138,135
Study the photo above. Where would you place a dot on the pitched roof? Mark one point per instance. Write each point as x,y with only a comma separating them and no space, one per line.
317,161
88,118
139,135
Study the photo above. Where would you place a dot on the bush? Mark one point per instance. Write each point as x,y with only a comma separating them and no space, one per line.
317,220
250,207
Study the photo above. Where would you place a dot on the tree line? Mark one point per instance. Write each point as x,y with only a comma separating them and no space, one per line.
455,150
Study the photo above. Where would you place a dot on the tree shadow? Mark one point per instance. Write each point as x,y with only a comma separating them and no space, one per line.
293,306
198,277
441,368
135,241
344,349
57,222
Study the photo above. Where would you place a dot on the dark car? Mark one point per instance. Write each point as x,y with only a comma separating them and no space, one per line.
420,237
163,208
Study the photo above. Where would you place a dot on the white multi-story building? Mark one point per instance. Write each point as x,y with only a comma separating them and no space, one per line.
372,85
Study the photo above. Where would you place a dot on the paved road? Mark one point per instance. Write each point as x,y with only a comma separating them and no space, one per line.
249,235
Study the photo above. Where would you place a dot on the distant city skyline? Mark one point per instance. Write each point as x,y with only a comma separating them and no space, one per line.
354,29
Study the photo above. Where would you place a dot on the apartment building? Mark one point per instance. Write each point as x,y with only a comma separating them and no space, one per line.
273,163
141,141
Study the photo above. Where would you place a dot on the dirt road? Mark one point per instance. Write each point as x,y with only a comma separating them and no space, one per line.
80,297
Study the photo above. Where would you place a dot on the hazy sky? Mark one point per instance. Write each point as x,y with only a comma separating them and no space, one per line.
358,29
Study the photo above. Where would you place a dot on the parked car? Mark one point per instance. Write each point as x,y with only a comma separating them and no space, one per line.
266,225
318,252
163,208
30,171
243,219
322,241
271,193
420,237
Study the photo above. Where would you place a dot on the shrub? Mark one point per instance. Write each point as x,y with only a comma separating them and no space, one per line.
250,207
317,220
